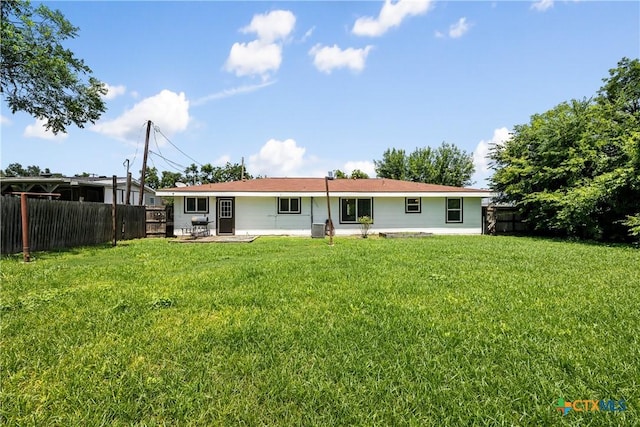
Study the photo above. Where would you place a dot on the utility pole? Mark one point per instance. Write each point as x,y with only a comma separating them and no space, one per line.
330,224
144,164
242,170
128,192
114,210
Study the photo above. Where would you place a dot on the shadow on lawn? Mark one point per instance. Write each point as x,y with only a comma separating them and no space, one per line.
77,250
542,238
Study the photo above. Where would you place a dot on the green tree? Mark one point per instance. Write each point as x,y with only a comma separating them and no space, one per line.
575,169
338,174
355,174
192,174
169,179
622,87
445,165
393,164
38,75
211,174
231,172
358,174
15,169
207,172
151,178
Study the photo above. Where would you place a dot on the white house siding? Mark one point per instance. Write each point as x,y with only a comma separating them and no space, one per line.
258,216
182,220
150,198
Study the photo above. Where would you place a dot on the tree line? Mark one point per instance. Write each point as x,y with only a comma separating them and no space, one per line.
574,171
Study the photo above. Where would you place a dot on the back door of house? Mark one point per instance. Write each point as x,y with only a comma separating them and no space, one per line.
226,217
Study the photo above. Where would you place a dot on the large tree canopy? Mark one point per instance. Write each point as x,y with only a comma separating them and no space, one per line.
38,75
208,174
575,169
445,165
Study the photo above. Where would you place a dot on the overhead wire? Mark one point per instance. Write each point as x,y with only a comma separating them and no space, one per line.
170,163
138,144
157,128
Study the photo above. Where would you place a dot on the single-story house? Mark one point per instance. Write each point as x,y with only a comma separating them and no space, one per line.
87,189
295,206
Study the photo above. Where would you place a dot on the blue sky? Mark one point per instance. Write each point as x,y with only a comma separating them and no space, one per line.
301,88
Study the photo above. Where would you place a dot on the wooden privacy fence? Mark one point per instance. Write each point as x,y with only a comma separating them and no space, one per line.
503,220
55,224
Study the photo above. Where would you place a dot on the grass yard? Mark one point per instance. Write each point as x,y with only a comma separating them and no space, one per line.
289,331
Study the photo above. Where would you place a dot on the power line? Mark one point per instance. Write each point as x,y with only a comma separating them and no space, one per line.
170,163
157,128
138,144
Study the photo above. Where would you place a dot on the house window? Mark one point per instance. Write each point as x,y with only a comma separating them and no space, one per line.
196,205
288,205
454,210
412,205
352,209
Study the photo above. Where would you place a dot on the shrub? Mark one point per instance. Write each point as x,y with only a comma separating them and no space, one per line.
365,224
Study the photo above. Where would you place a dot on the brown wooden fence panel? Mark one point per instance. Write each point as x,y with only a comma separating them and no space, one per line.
10,235
55,224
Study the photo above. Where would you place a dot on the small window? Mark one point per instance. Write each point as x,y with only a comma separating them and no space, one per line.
289,205
352,209
412,205
196,205
454,210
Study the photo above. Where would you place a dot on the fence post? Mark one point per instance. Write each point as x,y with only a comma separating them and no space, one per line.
114,213
25,227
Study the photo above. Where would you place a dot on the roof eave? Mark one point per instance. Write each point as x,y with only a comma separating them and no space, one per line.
469,194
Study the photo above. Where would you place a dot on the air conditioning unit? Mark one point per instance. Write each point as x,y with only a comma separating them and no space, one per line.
317,230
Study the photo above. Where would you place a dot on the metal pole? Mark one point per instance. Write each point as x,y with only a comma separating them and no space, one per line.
25,227
144,164
326,184
128,192
114,210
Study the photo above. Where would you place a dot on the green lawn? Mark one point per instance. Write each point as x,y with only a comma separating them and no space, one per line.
289,331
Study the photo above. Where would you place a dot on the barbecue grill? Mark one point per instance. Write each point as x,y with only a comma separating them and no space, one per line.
200,226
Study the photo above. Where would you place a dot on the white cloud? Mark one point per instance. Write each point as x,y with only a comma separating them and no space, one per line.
459,28
326,58
263,55
542,5
364,165
391,15
4,120
275,25
278,158
439,35
254,58
38,130
114,91
480,160
308,34
226,93
168,110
